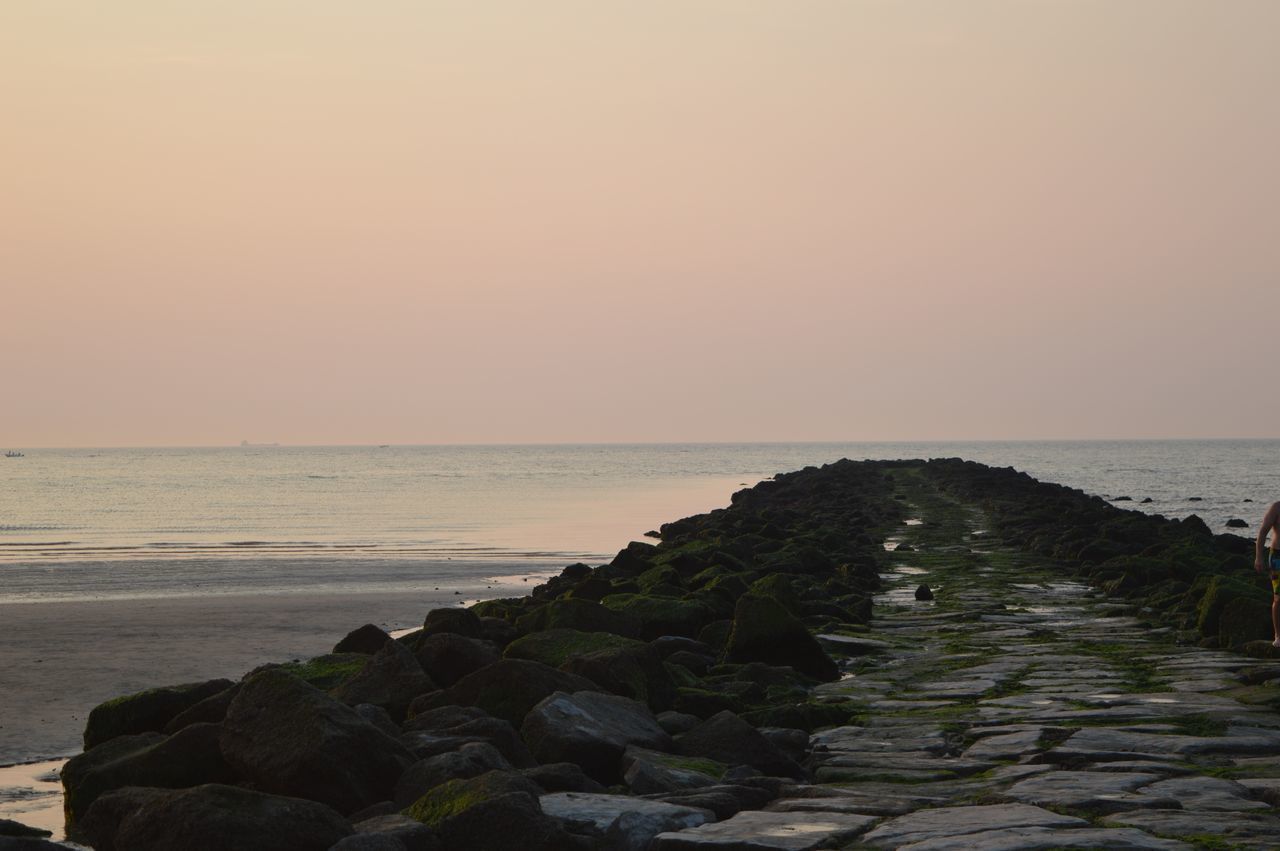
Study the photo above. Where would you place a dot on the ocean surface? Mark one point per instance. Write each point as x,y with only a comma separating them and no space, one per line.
89,523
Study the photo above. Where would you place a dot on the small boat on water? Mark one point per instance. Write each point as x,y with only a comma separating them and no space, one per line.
12,454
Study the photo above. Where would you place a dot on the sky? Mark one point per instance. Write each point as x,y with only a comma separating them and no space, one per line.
318,221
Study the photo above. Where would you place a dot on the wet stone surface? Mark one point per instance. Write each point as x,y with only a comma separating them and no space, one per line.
1021,709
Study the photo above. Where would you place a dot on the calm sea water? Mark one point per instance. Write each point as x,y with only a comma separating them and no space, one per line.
140,514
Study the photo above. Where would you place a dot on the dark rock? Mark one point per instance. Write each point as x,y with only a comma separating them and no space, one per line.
727,738
764,631
28,843
448,657
562,777
622,823
677,722
666,645
391,679
412,834
695,663
465,724
378,717
498,631
373,842
367,639
1237,523
211,710
659,616
924,592
458,621
1122,499
580,614
592,730
496,811
509,689
555,647
190,757
470,760
9,827
145,712
210,818
650,772
1147,499
323,672
633,671
292,739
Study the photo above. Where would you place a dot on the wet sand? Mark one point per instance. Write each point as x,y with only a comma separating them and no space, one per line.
60,659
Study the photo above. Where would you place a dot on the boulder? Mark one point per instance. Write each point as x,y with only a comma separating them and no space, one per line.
292,739
649,772
391,679
448,657
562,777
9,827
470,760
924,592
411,834
633,671
496,811
1237,523
727,738
29,843
211,710
623,823
467,724
367,639
323,672
555,647
659,616
190,757
145,712
591,729
458,621
580,614
210,818
509,689
764,631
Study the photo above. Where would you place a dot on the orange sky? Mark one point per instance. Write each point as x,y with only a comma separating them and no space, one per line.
414,222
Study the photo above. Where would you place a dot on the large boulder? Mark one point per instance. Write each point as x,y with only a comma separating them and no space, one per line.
623,823
554,647
635,671
458,621
211,710
366,639
508,689
649,772
145,712
658,616
323,672
409,833
470,760
292,739
391,679
726,738
496,811
580,614
764,631
210,818
190,757
591,729
448,728
448,657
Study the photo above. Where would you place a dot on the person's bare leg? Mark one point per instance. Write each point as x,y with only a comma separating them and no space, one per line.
1275,619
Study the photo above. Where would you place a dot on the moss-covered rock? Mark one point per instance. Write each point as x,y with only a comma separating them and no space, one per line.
1244,619
554,647
496,811
146,711
507,689
460,621
635,671
325,672
764,631
1220,591
658,616
579,614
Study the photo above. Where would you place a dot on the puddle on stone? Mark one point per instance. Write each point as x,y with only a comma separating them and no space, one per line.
907,570
914,521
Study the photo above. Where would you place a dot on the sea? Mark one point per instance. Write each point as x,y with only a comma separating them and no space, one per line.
135,522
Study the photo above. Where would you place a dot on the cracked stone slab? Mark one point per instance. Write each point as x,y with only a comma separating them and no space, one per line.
629,823
1092,791
768,831
1206,793
1006,746
1257,830
943,822
1106,744
1032,838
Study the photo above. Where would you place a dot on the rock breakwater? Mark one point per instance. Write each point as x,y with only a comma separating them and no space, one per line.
728,687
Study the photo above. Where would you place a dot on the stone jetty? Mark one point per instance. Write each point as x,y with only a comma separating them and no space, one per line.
922,655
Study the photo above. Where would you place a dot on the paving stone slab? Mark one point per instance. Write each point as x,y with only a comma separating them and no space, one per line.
1091,791
942,822
1259,830
1105,743
1032,838
768,831
1206,793
1007,746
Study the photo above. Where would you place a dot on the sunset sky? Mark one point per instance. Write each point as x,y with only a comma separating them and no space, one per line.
312,221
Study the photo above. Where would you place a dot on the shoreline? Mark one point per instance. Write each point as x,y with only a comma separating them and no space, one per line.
66,656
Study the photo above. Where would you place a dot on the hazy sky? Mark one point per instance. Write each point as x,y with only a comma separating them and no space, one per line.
325,221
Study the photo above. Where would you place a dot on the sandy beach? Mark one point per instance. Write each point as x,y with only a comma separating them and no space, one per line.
63,658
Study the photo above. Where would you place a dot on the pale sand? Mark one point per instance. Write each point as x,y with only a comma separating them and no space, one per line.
58,660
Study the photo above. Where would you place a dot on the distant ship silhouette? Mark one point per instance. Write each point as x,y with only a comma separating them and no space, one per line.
247,443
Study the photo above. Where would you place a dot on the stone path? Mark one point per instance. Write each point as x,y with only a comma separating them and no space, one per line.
1020,709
